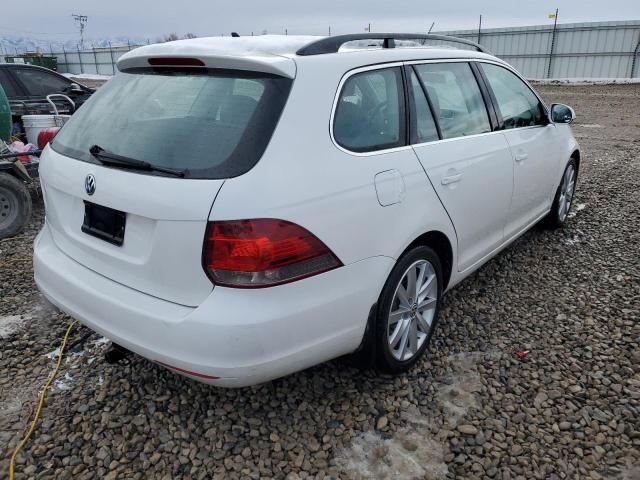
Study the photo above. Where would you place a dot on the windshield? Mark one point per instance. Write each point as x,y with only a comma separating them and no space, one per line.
209,124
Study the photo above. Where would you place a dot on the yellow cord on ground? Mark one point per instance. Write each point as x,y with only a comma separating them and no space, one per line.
41,402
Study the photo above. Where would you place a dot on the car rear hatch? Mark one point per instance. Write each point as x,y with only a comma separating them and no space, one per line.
130,180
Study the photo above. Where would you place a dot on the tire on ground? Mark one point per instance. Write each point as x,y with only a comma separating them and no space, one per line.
384,359
15,205
553,220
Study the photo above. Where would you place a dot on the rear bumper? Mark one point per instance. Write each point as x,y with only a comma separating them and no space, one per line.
236,337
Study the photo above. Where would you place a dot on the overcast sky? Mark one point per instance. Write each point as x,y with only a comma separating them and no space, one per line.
151,18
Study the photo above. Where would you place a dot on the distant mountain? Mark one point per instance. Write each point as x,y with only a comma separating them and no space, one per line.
10,44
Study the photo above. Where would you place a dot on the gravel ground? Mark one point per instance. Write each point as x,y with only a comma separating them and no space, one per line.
471,409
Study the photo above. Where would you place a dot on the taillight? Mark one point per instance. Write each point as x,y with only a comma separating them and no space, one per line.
46,135
262,253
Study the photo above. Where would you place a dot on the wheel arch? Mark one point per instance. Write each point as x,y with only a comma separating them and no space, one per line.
440,243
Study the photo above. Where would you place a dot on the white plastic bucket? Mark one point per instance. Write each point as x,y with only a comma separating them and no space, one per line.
34,124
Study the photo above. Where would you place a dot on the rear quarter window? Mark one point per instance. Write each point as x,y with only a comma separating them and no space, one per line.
370,111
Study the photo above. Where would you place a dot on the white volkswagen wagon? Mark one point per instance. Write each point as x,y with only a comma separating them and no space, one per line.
237,209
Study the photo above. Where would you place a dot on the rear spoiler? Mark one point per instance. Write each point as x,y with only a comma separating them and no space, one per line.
207,57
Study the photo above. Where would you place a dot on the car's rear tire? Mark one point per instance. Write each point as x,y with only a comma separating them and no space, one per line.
407,311
15,205
559,213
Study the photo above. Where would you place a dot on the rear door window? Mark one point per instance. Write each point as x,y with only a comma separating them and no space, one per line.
208,124
40,82
456,98
370,111
518,105
425,129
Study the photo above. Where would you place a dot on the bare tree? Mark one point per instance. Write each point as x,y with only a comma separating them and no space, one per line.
190,35
170,37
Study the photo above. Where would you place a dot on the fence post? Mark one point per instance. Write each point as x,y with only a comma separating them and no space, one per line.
113,64
95,58
66,62
129,44
553,43
79,58
635,58
479,29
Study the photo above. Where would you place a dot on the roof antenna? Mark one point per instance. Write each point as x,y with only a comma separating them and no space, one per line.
235,34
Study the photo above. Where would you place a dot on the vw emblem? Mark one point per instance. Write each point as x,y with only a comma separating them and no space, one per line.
90,184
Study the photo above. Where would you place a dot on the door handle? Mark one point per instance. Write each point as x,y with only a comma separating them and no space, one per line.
521,157
449,179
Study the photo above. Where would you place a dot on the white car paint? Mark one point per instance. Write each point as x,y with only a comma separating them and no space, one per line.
151,295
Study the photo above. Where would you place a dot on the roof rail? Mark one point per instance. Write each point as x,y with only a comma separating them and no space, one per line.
333,44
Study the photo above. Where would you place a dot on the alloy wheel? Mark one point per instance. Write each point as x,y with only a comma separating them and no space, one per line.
412,310
566,192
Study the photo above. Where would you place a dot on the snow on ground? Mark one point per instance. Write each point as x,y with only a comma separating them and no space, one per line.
574,211
10,324
418,449
583,81
63,383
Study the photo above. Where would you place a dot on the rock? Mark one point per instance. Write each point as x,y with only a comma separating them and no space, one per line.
382,423
467,429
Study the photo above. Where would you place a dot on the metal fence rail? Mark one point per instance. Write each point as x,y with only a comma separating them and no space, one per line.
574,50
95,61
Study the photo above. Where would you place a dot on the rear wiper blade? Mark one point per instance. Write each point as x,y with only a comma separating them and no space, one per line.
113,159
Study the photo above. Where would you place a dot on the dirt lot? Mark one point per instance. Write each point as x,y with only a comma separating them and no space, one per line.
471,409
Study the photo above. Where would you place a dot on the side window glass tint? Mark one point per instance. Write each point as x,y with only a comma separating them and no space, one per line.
425,126
518,105
456,98
38,82
370,111
7,85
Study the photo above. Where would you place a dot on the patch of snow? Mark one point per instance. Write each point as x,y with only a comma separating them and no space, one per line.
579,207
53,354
63,383
10,324
583,81
73,356
458,394
408,454
102,341
87,76
589,125
418,449
573,240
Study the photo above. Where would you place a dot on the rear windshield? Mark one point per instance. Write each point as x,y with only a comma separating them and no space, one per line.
209,124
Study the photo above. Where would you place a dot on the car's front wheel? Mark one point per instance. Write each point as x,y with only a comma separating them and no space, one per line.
408,309
563,200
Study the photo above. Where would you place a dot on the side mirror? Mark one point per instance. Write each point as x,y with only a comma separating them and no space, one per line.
562,113
74,88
